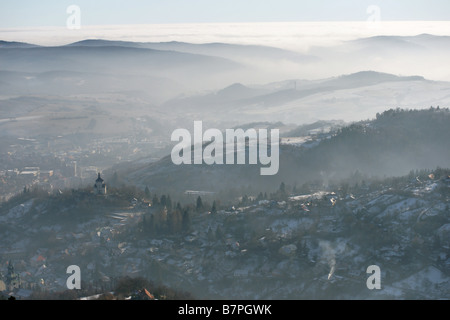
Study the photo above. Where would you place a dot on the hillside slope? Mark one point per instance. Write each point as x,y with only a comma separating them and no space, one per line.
391,145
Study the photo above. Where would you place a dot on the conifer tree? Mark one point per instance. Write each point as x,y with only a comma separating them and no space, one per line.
214,208
199,205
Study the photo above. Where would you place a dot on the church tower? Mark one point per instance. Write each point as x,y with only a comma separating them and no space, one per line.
12,278
99,186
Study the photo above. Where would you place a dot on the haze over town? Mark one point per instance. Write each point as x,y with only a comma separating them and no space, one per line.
358,93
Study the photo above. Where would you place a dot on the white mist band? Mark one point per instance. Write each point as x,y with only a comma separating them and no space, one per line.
235,140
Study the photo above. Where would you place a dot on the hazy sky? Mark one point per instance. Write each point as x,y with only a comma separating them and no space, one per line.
33,13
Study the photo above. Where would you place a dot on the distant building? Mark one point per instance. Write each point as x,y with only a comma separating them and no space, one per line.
46,174
2,286
2,283
99,186
447,180
12,278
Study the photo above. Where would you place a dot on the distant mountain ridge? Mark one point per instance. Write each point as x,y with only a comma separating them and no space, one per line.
239,97
215,49
14,44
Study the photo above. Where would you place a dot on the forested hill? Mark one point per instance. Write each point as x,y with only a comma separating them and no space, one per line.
393,144
396,142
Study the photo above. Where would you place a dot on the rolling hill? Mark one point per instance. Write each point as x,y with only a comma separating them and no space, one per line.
394,143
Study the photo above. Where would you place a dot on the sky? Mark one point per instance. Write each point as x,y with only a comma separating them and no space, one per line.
33,13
